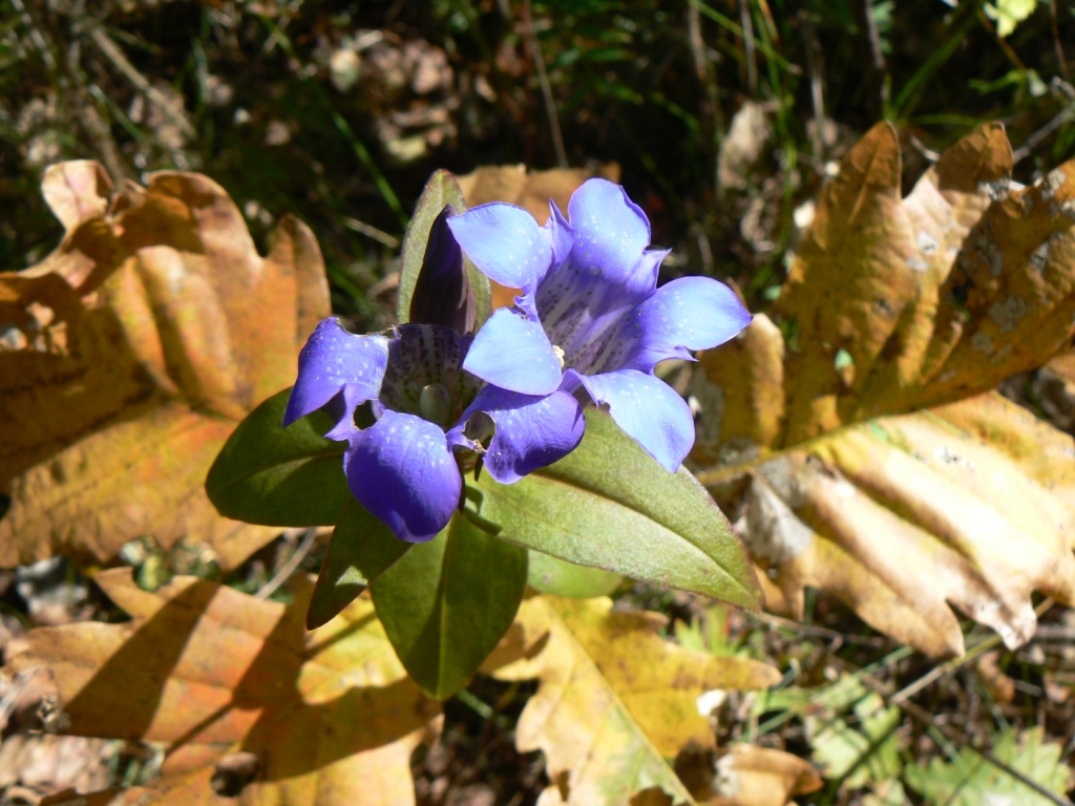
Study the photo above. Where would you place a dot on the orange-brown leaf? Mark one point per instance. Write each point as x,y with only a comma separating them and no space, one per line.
137,345
329,715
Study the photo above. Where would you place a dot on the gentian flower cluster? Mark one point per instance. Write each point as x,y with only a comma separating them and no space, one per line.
405,406
590,320
589,324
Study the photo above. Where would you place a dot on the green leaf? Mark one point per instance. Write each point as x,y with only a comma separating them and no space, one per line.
970,779
362,547
442,189
278,476
609,505
446,603
548,574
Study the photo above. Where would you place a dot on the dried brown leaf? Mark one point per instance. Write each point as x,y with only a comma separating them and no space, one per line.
131,352
329,715
896,305
908,517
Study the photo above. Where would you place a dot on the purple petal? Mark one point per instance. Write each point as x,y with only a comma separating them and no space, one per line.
611,233
648,410
514,353
691,313
561,236
532,432
334,360
505,243
402,470
442,294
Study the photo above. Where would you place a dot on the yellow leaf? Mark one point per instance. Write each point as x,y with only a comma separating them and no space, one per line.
137,345
615,700
329,716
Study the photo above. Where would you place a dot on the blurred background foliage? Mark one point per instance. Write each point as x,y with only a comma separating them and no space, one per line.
724,115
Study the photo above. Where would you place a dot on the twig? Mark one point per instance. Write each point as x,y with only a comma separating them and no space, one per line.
815,629
815,67
370,231
1034,139
1057,44
546,88
288,568
748,47
35,35
878,96
939,671
113,53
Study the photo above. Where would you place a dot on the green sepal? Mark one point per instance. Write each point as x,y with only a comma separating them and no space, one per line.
361,548
548,574
277,476
441,190
447,603
609,505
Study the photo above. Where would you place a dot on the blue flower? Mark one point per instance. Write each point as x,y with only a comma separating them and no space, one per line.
590,316
412,417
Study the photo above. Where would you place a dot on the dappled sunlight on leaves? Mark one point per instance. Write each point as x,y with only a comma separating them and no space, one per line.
208,671
606,719
895,305
131,352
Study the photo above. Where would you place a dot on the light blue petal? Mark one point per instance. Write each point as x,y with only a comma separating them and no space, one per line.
532,431
648,410
402,470
334,360
691,313
561,236
505,243
515,354
611,233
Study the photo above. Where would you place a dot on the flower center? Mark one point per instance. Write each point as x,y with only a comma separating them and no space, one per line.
424,375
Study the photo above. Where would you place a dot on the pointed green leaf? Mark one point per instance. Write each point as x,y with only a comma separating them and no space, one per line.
548,574
609,505
442,189
446,603
278,476
361,548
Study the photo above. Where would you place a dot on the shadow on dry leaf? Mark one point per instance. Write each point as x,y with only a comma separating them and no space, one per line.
327,716
128,355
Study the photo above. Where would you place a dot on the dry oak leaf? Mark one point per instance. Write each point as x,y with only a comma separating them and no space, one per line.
328,716
895,304
760,776
129,354
615,701
968,506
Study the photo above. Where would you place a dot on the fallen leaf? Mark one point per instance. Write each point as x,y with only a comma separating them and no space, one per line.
760,776
129,355
329,715
615,700
906,517
897,305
